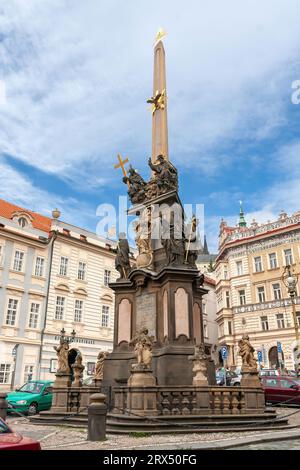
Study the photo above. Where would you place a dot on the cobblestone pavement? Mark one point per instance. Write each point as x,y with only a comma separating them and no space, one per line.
293,444
67,438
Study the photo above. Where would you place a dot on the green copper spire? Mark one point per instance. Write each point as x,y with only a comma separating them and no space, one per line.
242,221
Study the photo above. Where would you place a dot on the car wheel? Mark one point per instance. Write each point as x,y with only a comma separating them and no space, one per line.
33,409
237,384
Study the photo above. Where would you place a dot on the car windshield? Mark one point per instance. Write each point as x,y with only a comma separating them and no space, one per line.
31,387
3,428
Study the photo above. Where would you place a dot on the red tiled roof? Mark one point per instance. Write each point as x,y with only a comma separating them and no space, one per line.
40,222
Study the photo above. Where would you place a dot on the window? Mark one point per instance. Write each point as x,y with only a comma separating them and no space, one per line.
288,257
273,260
18,260
28,373
106,277
230,328
78,310
81,270
34,315
22,222
242,297
221,330
239,268
261,294
258,264
60,307
277,291
105,316
39,266
227,297
205,331
11,311
204,307
4,373
280,320
225,273
264,323
63,266
298,317
271,383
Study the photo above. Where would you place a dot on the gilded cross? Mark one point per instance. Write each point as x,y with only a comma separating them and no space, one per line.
121,165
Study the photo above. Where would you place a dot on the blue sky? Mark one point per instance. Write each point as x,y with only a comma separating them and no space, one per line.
76,78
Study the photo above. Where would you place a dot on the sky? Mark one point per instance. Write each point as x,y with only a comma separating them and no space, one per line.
74,79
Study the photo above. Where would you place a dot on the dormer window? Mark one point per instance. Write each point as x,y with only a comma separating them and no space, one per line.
23,219
22,222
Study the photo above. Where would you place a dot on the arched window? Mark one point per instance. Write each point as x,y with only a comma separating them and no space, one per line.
22,221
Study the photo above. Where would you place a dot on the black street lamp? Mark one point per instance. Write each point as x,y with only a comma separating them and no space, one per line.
290,280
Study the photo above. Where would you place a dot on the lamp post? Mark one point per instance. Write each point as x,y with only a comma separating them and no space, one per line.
290,280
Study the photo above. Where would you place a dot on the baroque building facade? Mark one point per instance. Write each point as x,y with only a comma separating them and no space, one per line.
52,275
251,296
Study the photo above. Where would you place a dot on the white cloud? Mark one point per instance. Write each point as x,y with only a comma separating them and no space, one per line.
78,73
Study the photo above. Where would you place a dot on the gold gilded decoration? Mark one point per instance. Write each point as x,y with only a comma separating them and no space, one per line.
161,33
121,165
157,101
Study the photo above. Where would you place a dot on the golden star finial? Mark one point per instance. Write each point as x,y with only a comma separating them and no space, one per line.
161,33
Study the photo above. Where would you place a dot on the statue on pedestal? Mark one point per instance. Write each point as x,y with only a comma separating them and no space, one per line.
142,343
98,376
199,366
122,263
78,369
62,351
249,363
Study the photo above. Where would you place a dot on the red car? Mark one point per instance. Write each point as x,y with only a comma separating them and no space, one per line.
281,389
10,440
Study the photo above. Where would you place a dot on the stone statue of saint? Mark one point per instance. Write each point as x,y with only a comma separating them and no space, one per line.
62,352
165,174
173,243
191,245
137,185
246,352
122,263
100,364
78,369
142,343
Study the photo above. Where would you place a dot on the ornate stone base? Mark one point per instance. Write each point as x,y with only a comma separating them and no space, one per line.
250,379
62,380
141,399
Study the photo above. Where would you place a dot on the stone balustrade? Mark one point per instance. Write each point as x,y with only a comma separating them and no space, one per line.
192,400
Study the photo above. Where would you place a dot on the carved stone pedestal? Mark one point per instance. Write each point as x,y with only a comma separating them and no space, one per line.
62,380
199,366
250,379
141,397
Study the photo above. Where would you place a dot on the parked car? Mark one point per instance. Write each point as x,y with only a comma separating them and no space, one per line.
31,398
231,378
281,389
269,372
88,381
10,440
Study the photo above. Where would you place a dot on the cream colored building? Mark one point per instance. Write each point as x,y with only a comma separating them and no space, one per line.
52,276
251,297
209,313
79,297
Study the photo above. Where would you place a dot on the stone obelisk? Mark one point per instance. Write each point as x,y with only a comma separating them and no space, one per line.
159,117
